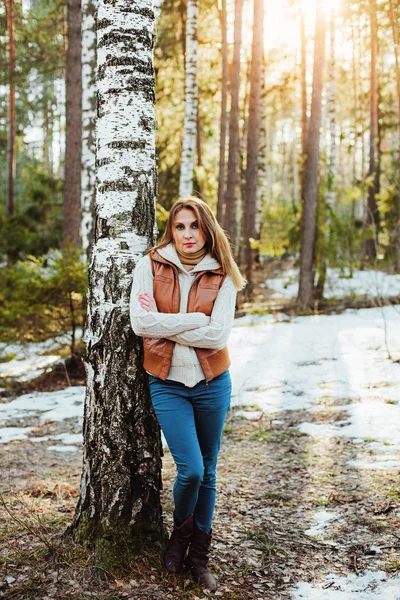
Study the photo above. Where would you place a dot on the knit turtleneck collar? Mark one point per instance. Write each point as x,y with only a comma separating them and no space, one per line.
189,260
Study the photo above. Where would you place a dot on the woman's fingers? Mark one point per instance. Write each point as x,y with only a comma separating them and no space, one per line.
147,302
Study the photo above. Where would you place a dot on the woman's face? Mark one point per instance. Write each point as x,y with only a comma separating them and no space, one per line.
188,237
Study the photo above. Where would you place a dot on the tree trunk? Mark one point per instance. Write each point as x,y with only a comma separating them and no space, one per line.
397,162
191,101
73,131
262,160
223,127
371,216
309,199
249,207
11,110
229,218
295,171
157,9
88,175
331,108
64,31
303,92
119,508
240,195
198,137
48,122
327,204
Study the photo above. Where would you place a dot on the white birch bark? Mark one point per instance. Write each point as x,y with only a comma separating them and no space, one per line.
157,6
191,101
88,174
119,507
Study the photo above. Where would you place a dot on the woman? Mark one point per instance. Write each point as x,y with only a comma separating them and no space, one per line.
182,303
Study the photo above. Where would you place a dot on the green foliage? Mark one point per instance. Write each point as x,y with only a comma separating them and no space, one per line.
42,297
37,224
280,230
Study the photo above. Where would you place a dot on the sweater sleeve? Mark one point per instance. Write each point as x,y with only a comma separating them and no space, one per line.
156,324
216,334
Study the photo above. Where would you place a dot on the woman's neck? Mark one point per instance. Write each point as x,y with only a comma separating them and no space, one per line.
193,258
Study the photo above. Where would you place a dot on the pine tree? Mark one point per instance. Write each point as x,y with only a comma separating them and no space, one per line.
191,101
249,207
11,109
310,191
73,134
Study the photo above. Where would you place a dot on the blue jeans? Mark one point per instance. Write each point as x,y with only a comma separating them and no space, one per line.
192,420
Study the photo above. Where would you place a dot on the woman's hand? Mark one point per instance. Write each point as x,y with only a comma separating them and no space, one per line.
147,302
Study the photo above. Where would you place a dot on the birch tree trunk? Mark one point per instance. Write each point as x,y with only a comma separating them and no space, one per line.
252,140
73,132
119,508
371,214
88,173
397,59
157,8
11,110
229,217
309,199
223,127
191,101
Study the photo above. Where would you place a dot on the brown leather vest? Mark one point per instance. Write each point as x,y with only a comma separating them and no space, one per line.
204,290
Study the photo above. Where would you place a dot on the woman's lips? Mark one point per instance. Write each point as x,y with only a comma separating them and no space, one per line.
190,244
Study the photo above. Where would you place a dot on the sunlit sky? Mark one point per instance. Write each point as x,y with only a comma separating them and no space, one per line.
282,21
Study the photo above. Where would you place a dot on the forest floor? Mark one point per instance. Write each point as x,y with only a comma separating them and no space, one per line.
288,511
308,499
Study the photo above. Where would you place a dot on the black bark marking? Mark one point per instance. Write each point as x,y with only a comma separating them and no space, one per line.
132,38
117,186
103,23
131,144
103,161
147,123
143,212
138,66
102,228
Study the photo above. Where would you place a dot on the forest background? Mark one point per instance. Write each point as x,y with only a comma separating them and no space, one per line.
285,118
48,181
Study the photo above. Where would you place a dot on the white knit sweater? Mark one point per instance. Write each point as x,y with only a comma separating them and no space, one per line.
188,330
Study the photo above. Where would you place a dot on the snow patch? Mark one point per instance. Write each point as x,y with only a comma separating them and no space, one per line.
339,284
49,406
371,585
322,518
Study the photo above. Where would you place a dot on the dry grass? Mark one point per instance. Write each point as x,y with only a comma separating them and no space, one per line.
272,479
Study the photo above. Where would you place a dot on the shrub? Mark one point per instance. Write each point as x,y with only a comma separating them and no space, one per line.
43,297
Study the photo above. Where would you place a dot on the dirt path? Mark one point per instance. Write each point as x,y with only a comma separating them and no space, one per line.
273,482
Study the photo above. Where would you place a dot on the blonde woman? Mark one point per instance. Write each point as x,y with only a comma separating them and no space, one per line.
182,304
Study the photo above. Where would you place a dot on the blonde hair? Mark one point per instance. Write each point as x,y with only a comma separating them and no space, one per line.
216,241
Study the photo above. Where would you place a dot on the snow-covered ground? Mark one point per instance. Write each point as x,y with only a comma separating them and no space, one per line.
317,363
30,360
371,585
339,284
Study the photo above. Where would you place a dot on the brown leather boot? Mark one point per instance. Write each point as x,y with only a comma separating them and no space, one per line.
197,559
177,546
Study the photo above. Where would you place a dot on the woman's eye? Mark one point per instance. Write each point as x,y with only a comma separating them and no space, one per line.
195,225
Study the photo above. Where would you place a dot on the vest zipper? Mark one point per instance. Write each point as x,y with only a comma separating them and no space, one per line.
206,384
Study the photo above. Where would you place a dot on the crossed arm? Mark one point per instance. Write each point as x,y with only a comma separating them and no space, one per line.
190,329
